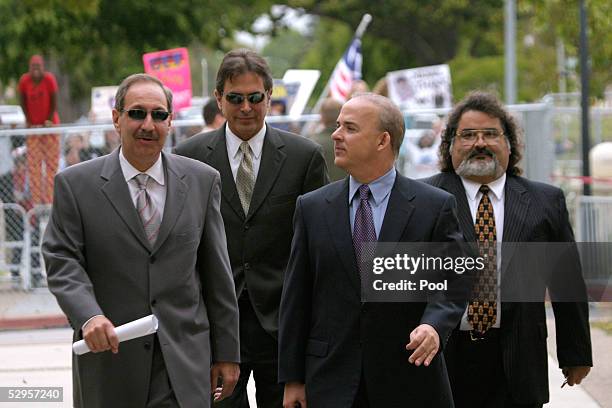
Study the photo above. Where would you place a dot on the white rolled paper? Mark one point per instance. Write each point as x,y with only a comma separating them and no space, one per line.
132,330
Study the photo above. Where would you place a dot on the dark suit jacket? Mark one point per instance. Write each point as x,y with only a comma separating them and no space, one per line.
99,261
259,243
328,337
532,212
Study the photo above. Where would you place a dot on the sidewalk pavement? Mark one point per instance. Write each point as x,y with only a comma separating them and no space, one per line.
42,357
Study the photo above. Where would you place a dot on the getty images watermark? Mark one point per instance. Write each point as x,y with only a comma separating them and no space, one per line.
422,265
524,272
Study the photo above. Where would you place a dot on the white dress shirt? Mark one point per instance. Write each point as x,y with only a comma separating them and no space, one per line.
156,184
496,196
234,154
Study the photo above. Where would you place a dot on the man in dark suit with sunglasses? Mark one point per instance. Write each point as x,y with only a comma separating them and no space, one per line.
263,171
139,232
497,355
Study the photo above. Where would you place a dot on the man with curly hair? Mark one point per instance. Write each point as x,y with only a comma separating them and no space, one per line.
497,355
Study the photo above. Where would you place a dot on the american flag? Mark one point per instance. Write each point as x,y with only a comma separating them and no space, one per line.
347,70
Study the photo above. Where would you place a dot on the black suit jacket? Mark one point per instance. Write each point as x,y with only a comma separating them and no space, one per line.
532,212
259,243
327,336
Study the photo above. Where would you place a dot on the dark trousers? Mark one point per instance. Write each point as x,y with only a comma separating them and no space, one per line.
259,355
161,394
476,372
361,398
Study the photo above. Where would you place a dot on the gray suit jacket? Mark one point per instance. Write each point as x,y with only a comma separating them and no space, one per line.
100,262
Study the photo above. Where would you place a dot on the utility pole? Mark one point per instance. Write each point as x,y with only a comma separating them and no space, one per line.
584,85
510,52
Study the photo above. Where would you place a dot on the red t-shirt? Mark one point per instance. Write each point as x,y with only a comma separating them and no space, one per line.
38,97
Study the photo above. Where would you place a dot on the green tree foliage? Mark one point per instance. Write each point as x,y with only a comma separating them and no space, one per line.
98,42
467,34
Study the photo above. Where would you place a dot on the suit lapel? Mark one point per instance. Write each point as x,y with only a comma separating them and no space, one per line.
272,159
118,194
399,211
337,218
176,192
452,184
516,206
217,157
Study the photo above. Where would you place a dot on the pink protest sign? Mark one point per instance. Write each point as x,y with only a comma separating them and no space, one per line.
172,68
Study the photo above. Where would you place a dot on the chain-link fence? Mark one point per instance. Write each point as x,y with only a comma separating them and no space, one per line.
29,158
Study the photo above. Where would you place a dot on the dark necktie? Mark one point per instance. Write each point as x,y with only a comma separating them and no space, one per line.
482,310
245,180
363,229
147,210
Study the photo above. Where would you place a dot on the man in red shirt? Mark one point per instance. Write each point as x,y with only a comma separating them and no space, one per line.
38,97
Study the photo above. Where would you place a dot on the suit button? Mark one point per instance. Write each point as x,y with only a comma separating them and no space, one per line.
247,266
247,226
147,346
152,259
153,302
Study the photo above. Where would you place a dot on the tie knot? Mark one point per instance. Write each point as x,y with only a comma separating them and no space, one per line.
484,189
245,148
364,192
142,179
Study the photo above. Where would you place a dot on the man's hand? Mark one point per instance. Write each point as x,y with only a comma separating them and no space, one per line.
425,342
229,373
295,395
99,335
575,375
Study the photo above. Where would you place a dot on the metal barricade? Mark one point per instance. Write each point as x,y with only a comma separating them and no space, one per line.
14,248
594,236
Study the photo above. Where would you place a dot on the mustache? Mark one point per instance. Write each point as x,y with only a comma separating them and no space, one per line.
477,151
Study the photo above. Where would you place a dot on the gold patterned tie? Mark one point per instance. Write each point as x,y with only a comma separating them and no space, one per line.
482,310
245,180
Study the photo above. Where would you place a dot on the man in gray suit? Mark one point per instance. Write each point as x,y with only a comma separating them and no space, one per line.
263,171
139,232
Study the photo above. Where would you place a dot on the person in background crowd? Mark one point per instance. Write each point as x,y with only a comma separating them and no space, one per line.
330,109
38,97
359,86
213,118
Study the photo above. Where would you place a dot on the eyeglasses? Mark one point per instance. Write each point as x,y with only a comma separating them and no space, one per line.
471,135
157,115
237,99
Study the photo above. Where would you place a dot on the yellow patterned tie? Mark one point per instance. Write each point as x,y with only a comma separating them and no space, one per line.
482,310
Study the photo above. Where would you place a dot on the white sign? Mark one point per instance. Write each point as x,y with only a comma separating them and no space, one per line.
102,102
307,79
425,87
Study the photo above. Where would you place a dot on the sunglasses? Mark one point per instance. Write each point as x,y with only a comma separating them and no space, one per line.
141,114
237,99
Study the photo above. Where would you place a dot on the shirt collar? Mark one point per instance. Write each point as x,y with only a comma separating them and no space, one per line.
380,188
496,187
156,171
233,142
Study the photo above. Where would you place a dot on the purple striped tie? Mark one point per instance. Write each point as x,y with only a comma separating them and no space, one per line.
363,229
